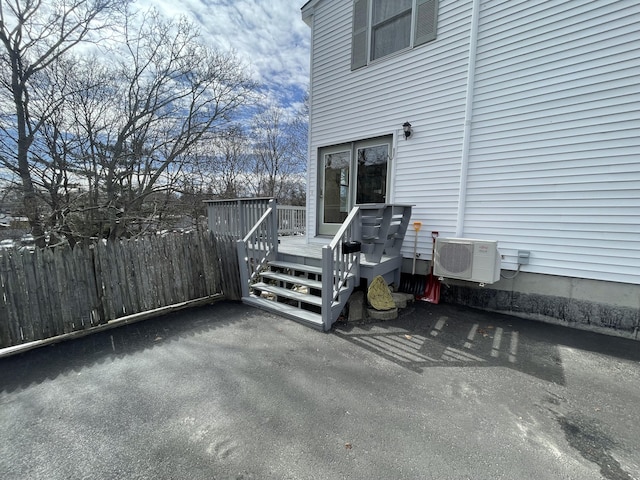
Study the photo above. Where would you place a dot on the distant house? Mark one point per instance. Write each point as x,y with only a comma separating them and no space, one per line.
5,220
524,128
10,222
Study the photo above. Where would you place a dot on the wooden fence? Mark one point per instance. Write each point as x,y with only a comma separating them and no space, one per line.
48,293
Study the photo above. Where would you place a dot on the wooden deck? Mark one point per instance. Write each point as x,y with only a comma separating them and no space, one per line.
297,245
387,266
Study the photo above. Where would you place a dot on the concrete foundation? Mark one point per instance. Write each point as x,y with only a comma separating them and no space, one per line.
605,307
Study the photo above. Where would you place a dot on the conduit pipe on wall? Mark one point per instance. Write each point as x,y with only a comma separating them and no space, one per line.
468,118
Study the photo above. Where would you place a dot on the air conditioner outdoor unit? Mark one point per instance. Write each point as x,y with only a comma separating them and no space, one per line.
467,259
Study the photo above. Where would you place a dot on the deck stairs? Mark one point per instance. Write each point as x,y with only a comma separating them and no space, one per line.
312,284
294,290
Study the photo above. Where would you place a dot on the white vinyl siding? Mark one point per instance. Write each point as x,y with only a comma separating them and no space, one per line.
350,105
555,152
554,158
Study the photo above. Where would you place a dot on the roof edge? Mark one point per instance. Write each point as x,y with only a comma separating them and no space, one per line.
308,9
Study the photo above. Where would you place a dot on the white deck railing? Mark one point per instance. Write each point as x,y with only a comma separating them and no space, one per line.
237,216
340,267
291,220
258,247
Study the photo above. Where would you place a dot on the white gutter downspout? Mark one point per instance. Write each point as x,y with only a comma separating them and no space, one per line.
309,18
468,117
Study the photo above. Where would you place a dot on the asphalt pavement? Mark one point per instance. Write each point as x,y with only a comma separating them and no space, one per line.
230,392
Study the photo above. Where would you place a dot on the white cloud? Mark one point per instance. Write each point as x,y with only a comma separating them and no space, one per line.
269,36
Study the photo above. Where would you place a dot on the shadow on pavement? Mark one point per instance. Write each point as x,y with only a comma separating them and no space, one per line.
427,335
47,363
424,336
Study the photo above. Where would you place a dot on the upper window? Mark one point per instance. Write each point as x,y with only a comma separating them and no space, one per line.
383,27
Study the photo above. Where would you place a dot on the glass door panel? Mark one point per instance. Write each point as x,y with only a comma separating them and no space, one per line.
334,194
372,162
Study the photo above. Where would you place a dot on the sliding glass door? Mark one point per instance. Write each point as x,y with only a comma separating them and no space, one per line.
350,174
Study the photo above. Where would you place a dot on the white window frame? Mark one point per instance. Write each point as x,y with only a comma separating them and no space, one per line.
424,21
324,228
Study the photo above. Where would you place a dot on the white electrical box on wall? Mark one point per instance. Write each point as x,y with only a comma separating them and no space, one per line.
467,259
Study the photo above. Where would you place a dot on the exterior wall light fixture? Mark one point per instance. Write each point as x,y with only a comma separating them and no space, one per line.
406,127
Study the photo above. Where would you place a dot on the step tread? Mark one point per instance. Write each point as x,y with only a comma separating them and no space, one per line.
283,277
283,292
310,318
300,267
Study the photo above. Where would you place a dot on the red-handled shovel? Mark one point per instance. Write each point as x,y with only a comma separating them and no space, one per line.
432,290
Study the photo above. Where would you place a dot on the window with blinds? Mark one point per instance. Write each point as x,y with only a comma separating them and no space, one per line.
383,27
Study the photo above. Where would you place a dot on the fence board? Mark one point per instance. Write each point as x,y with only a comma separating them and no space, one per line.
60,289
103,273
120,303
87,275
67,275
77,291
23,294
150,277
189,269
10,298
43,294
90,280
53,294
153,275
28,269
159,279
197,252
137,256
129,279
156,279
5,334
177,281
212,272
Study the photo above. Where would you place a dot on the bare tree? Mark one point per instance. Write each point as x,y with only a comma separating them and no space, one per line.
276,153
299,130
34,35
231,162
176,95
113,152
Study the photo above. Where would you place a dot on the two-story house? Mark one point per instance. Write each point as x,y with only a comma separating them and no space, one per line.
516,121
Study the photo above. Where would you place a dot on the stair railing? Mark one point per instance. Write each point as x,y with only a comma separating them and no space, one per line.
340,264
383,229
258,247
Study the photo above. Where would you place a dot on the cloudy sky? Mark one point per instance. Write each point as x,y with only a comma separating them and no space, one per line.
268,35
